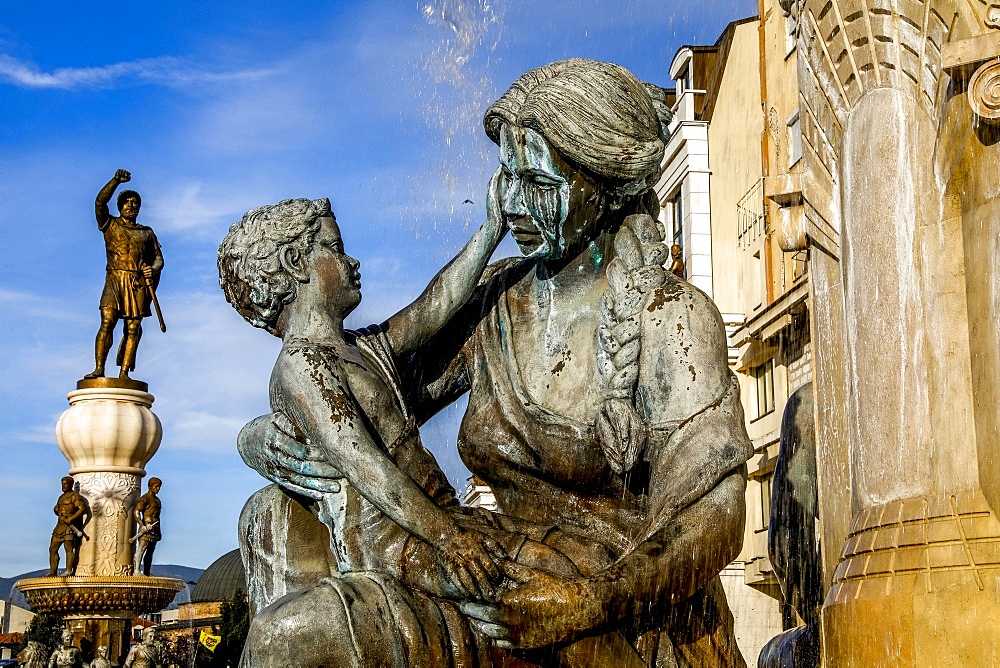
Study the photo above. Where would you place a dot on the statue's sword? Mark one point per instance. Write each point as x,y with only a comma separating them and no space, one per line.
156,304
142,532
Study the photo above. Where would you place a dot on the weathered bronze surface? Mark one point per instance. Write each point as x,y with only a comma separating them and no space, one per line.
68,532
32,656
105,382
66,655
601,412
133,272
147,514
146,654
792,543
101,658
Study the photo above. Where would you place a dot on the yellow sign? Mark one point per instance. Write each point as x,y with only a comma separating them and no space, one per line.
209,641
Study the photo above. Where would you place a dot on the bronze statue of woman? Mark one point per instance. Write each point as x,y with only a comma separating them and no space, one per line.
602,413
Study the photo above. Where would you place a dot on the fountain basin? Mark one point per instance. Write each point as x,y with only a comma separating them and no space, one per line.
113,596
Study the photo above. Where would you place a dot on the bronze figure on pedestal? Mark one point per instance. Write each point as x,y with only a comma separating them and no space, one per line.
146,654
147,514
66,656
133,272
70,509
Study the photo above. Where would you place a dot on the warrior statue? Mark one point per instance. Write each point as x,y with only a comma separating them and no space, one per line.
133,271
147,514
101,660
70,509
66,656
146,654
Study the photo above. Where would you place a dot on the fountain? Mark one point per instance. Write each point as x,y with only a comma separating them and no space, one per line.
108,434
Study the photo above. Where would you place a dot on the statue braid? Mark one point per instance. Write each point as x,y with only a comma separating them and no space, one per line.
636,270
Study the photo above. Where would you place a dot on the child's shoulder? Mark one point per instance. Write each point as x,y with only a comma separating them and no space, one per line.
305,356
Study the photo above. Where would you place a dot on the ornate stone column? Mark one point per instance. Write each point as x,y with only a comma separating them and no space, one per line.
904,316
108,434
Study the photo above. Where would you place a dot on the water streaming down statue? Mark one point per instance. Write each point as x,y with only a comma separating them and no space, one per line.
601,412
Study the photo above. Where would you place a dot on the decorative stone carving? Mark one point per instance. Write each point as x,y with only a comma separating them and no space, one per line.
112,498
108,434
906,409
984,91
992,16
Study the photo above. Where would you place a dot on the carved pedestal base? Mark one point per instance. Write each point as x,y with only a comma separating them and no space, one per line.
108,434
915,583
112,498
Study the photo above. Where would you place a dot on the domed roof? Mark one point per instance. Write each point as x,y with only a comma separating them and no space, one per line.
221,580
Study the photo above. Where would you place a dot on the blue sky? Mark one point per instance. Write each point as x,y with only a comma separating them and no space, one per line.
218,107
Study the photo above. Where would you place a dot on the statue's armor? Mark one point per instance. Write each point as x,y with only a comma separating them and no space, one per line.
66,507
144,655
65,656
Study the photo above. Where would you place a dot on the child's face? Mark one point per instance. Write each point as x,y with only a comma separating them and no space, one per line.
336,272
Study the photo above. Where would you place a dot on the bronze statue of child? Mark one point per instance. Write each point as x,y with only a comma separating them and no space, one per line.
284,269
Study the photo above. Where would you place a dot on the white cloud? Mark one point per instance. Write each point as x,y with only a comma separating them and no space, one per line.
186,208
33,305
41,433
164,70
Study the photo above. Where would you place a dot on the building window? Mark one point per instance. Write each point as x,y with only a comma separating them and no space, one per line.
794,139
764,375
684,80
792,29
765,500
673,219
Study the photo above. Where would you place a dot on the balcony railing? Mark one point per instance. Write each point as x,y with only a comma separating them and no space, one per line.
751,216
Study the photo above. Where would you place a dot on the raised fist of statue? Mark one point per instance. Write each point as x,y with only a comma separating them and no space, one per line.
122,176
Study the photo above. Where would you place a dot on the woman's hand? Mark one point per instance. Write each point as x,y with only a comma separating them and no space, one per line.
494,210
541,609
471,562
268,445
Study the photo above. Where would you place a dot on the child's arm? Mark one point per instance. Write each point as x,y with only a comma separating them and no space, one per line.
314,395
452,286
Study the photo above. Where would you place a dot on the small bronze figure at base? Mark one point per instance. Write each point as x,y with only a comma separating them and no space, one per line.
66,656
146,654
70,509
101,660
133,272
32,656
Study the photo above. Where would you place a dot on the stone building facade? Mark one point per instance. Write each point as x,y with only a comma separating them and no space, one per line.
732,170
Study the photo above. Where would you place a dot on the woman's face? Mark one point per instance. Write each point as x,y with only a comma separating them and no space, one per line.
549,205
